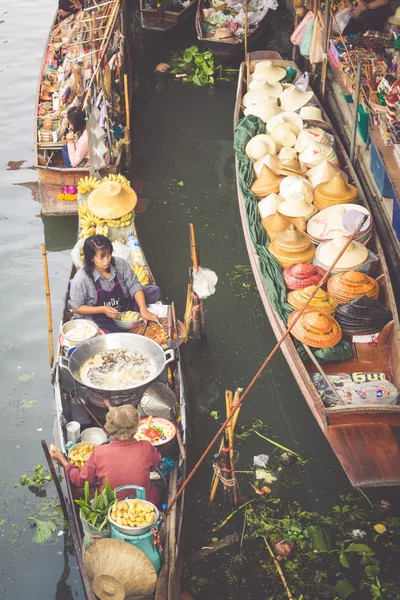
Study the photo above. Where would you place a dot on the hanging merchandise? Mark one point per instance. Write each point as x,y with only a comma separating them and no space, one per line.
298,33
305,43
317,41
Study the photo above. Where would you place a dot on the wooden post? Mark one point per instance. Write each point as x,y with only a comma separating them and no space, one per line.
48,304
197,305
356,100
327,35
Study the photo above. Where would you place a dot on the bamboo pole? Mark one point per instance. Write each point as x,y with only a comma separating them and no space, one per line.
188,311
215,479
193,248
127,106
327,35
231,454
356,100
279,569
265,363
48,304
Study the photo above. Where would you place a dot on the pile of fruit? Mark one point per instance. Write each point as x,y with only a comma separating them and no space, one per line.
80,454
130,315
141,273
118,178
90,224
88,184
133,513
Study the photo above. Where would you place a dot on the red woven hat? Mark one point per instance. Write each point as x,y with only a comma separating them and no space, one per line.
302,275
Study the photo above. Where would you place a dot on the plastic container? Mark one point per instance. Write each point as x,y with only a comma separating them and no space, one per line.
136,252
379,173
73,431
93,435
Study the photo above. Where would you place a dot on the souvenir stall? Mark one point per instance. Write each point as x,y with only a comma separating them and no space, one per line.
82,68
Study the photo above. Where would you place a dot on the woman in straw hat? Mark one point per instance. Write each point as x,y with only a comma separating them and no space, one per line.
124,461
106,286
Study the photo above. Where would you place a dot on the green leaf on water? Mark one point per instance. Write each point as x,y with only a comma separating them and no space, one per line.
214,540
214,414
344,589
44,530
180,183
26,377
360,549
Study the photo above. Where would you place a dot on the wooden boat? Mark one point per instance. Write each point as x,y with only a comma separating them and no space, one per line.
48,161
365,438
157,19
231,48
65,392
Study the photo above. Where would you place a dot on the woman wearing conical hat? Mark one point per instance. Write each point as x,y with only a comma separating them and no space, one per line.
106,286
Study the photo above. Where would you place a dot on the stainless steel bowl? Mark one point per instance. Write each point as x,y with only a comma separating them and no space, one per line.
134,530
127,324
79,324
93,435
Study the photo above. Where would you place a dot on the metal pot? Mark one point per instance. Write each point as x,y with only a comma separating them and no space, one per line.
78,324
118,341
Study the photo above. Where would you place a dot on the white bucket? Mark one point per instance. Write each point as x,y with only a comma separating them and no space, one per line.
73,431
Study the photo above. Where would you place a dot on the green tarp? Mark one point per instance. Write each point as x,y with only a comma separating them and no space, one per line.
271,272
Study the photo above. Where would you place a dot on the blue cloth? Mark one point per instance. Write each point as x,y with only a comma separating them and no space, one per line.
65,155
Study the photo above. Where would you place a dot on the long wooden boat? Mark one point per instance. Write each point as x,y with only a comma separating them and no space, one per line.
99,49
65,392
159,19
229,49
365,438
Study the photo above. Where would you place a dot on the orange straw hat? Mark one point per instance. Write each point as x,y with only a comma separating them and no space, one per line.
266,184
316,329
275,224
111,200
335,191
292,247
344,287
321,301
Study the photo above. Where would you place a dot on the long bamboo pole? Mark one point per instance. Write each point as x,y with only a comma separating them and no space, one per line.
193,248
327,35
263,366
356,100
48,304
246,33
127,105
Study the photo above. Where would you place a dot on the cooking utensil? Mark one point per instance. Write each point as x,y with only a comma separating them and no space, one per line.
145,327
159,400
94,435
118,341
79,324
127,324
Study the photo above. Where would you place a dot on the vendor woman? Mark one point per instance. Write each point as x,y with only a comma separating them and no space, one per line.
106,286
124,461
67,7
368,14
76,152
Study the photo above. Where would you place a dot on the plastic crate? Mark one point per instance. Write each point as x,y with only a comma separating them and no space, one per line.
396,216
379,173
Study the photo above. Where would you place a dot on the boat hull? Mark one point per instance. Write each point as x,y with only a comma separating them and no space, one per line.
164,20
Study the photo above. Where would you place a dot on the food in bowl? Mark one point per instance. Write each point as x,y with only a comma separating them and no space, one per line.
80,453
133,513
155,430
130,315
81,331
118,369
154,332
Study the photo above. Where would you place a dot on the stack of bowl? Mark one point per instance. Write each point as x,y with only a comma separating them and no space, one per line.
338,220
347,286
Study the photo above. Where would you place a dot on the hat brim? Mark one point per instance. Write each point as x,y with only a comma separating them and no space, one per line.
393,20
316,123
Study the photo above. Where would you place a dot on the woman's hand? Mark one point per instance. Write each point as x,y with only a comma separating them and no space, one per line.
56,454
360,8
110,312
147,315
70,137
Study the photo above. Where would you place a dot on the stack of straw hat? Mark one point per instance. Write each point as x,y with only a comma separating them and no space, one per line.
112,200
315,153
261,91
363,316
347,286
285,117
270,72
338,220
354,257
335,191
269,205
270,160
322,301
259,146
292,247
264,109
277,223
266,184
306,136
297,206
316,329
291,99
302,275
295,184
312,115
323,172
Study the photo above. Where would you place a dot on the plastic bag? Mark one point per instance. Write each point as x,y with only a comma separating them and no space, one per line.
122,251
297,34
317,41
305,43
303,82
204,282
261,460
342,17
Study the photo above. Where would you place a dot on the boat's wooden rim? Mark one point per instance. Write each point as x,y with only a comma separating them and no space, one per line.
149,17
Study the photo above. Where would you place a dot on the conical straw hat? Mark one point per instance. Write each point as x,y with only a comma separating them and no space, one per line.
328,223
297,206
266,184
310,135
290,166
354,256
313,116
293,240
271,72
323,172
316,329
259,146
296,185
335,191
111,200
321,301
269,160
344,287
284,135
302,275
363,316
286,154
285,117
315,153
264,109
119,570
292,247
275,224
259,90
268,205
292,99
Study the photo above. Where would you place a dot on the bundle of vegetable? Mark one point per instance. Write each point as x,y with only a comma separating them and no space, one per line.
96,512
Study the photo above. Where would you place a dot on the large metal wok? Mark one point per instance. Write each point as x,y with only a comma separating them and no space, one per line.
118,341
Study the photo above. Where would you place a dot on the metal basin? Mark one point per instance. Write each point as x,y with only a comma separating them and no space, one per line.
118,341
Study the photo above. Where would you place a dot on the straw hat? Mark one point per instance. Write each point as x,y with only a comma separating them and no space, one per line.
313,116
335,191
344,287
292,247
315,153
296,185
331,222
285,117
269,160
316,329
112,200
284,135
290,166
395,19
119,570
355,255
321,301
275,224
323,172
302,275
292,99
223,33
268,205
264,109
316,134
266,184
259,90
266,69
363,316
297,206
259,146
286,154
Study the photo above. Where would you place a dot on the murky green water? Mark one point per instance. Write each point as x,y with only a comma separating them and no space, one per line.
180,134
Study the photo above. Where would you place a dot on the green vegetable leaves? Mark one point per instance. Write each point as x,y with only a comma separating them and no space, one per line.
37,480
44,530
197,67
95,512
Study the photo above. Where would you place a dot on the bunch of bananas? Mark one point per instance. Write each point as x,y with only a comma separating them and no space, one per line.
141,274
102,230
88,184
118,178
90,223
124,221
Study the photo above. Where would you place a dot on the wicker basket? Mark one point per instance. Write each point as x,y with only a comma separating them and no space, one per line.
181,332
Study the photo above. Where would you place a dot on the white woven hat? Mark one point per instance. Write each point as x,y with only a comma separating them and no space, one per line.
323,172
260,90
297,206
284,135
269,205
266,69
265,109
292,99
315,134
269,160
315,153
287,154
285,117
259,146
313,115
294,184
355,255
